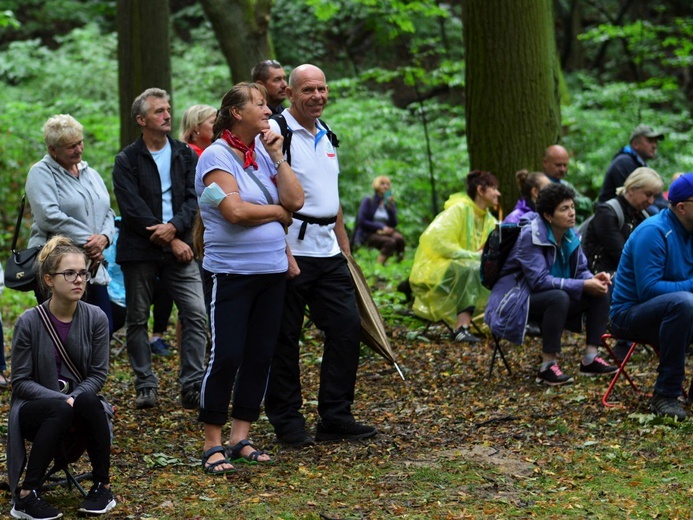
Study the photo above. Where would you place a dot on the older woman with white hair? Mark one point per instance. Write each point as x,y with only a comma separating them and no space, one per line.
69,198
607,233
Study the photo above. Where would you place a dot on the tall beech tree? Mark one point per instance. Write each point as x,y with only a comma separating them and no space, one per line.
144,58
512,87
242,30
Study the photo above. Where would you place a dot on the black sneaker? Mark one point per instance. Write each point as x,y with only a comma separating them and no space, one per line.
597,367
553,376
146,398
349,431
190,398
296,439
463,335
33,507
667,407
100,500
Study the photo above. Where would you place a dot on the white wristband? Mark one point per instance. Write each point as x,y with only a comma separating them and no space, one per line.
279,163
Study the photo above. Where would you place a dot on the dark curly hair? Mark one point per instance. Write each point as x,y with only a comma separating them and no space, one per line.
551,197
476,178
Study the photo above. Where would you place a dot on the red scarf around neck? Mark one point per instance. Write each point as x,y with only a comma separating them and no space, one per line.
249,151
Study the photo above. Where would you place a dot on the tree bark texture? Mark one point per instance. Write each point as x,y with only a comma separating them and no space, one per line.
242,30
512,87
144,57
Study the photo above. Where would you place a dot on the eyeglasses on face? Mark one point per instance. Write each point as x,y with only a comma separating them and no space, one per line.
71,275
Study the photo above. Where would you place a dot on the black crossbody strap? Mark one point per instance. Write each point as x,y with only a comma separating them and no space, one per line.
58,342
18,225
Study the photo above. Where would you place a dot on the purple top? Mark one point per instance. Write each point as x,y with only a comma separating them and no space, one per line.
521,208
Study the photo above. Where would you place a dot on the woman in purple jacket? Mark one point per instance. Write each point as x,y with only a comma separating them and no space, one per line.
377,220
546,280
529,184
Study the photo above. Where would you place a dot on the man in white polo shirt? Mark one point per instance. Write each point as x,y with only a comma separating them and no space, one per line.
317,239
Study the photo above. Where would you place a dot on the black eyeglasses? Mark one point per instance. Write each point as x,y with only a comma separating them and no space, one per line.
682,201
71,275
272,63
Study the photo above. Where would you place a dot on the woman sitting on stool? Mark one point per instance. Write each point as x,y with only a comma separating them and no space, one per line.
377,220
545,279
445,277
51,404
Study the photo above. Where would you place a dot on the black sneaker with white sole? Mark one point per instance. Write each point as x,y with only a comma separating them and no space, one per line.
100,500
464,335
33,507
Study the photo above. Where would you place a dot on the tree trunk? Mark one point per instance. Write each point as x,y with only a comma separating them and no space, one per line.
512,86
144,58
242,30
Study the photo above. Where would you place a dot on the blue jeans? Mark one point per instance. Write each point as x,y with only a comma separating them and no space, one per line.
665,321
184,284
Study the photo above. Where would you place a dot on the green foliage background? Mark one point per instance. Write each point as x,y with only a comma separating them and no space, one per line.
419,53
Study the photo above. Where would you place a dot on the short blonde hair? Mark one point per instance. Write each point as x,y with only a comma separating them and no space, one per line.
642,177
379,179
192,118
60,130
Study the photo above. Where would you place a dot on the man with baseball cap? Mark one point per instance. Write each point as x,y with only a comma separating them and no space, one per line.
641,148
653,292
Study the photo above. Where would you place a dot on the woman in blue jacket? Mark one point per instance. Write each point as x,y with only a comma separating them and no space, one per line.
546,280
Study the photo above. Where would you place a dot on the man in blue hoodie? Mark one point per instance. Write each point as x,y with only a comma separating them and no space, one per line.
653,292
642,147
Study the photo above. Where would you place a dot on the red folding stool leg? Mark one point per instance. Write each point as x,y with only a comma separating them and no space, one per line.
621,368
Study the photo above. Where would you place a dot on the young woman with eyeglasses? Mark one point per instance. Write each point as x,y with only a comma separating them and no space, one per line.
53,407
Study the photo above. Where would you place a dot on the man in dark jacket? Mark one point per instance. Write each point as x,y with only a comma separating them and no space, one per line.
642,147
153,180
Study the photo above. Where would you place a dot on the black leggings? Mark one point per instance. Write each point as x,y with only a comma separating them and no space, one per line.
53,427
553,309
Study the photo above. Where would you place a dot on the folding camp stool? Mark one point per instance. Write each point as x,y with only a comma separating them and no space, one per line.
532,332
52,480
497,352
622,365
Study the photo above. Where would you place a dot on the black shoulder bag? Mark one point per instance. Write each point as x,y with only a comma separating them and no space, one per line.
21,270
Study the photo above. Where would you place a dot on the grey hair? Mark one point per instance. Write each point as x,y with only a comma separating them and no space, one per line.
140,105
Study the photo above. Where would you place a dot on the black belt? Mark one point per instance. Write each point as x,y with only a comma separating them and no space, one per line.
320,221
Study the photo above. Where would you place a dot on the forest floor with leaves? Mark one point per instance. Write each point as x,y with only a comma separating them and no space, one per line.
452,445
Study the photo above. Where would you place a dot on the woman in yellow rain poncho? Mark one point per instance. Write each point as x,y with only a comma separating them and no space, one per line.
445,277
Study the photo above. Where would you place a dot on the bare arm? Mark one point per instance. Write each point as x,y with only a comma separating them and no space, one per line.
340,232
289,188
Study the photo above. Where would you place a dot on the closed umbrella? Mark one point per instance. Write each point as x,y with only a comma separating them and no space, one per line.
373,332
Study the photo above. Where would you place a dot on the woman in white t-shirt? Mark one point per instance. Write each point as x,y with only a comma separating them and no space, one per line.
246,203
